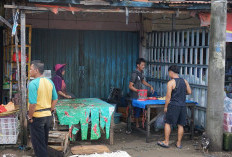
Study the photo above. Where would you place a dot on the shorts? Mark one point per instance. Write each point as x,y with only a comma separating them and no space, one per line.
176,115
137,112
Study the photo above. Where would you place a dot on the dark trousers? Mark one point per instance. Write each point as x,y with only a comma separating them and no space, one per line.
39,130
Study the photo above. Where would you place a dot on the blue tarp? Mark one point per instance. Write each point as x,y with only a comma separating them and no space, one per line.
142,104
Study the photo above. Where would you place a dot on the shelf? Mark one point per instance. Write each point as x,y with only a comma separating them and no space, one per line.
9,46
19,63
14,82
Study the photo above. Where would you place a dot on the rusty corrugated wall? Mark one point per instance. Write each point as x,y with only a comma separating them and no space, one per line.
96,60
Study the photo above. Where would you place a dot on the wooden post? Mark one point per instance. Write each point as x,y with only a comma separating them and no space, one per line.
214,112
23,77
148,125
17,61
1,52
1,61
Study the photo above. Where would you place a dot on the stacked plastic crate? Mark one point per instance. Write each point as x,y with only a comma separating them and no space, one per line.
227,124
8,130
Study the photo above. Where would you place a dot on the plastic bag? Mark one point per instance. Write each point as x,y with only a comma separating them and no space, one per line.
227,104
159,123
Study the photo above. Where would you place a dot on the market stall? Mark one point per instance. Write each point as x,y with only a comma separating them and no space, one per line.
155,104
84,112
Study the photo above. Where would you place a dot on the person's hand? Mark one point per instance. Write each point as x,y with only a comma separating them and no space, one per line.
53,111
68,96
165,109
31,120
152,90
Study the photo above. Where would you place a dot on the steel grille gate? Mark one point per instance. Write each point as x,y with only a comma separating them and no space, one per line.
189,49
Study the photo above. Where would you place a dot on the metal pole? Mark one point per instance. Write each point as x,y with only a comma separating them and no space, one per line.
23,77
214,112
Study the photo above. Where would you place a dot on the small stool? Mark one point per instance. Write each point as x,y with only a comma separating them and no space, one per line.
58,140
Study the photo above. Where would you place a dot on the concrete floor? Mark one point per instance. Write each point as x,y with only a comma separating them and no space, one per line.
136,146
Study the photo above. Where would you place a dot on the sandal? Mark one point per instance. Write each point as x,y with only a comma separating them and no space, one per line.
179,147
163,145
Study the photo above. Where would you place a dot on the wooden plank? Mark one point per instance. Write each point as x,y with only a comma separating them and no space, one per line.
169,44
182,51
166,56
5,22
150,55
156,44
162,56
79,9
191,53
158,54
177,50
148,121
58,148
155,54
66,143
89,149
186,53
173,43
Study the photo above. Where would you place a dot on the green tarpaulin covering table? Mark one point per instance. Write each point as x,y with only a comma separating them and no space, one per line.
85,111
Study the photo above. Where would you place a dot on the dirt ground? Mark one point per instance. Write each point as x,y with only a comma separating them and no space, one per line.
136,146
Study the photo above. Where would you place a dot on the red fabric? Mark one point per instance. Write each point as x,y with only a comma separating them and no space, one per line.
205,20
229,22
55,8
2,109
19,54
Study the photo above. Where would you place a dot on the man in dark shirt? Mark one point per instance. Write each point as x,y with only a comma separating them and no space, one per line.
136,81
175,106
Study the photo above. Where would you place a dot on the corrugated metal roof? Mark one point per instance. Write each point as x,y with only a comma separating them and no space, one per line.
175,2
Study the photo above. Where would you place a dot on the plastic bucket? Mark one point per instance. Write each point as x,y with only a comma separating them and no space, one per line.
142,94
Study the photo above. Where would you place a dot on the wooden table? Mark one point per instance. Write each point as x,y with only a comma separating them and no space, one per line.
79,111
157,104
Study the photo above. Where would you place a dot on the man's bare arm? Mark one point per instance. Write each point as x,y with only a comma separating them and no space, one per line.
189,91
131,87
31,110
169,93
53,104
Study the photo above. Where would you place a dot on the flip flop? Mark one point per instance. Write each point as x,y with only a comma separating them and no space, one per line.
161,144
180,147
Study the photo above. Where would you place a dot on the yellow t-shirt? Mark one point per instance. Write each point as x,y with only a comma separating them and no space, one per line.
41,92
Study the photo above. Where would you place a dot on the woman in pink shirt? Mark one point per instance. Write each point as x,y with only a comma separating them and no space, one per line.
59,82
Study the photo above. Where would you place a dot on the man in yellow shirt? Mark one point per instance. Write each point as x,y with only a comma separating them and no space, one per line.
42,100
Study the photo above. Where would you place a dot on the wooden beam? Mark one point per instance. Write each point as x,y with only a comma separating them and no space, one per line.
89,149
108,10
23,77
5,22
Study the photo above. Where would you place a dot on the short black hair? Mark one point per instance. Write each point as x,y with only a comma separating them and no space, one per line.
174,69
140,60
38,65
